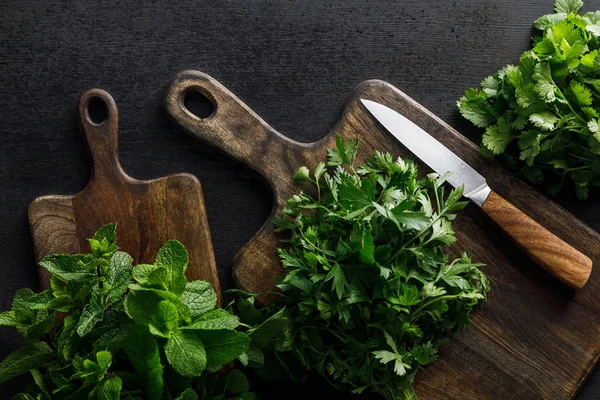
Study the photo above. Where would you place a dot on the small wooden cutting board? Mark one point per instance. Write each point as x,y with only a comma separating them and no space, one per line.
537,339
147,213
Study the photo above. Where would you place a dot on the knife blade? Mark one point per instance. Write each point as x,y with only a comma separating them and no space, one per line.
549,251
431,152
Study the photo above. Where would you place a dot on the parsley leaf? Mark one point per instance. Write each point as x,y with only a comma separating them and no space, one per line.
369,293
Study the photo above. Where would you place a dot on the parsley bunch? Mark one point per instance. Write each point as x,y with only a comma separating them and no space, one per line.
129,332
371,294
542,114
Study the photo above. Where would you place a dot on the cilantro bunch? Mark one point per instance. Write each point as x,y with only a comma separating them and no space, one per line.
542,114
128,332
370,292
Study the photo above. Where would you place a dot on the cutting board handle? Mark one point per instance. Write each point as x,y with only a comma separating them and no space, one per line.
232,127
99,120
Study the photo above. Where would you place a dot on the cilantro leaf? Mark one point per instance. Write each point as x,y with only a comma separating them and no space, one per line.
568,6
498,137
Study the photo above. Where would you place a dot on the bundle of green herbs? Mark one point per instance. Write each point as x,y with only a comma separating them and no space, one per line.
370,292
140,332
542,114
369,295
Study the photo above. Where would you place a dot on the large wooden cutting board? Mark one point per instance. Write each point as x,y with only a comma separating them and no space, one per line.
147,213
536,339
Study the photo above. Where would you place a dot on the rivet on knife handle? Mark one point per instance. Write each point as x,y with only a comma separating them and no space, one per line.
549,251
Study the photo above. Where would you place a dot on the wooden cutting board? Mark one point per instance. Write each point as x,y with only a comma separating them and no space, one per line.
537,338
147,213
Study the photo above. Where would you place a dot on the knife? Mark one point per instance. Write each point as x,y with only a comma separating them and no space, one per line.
549,251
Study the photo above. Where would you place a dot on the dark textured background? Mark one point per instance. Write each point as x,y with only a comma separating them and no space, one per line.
293,62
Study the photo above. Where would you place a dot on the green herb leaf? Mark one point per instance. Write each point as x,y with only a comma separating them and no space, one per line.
186,353
70,267
222,346
28,357
553,92
174,257
199,297
214,320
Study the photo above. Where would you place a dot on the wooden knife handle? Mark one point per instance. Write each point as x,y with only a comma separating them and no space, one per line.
554,255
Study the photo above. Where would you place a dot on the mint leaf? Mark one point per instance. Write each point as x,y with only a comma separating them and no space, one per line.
187,394
174,258
109,389
28,357
40,300
118,277
147,307
144,356
222,346
104,242
8,318
265,333
70,266
214,320
141,272
93,312
237,382
107,233
186,353
199,297
166,320
68,337
38,329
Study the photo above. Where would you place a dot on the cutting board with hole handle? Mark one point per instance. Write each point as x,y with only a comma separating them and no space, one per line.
147,213
537,337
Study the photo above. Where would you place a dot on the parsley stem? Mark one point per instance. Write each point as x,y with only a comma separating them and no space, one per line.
418,311
418,235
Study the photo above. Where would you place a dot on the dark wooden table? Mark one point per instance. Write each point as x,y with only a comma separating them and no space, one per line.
293,62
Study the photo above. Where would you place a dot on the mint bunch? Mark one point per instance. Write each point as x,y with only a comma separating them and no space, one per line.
128,332
542,115
370,291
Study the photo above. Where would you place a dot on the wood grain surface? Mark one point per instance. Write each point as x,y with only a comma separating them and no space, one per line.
560,259
147,213
294,62
547,357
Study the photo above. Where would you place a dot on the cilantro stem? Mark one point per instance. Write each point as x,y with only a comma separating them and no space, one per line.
566,101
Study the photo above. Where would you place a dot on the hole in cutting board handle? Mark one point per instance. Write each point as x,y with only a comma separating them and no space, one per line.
198,104
96,111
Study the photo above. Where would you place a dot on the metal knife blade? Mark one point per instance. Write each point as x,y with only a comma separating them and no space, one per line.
431,152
